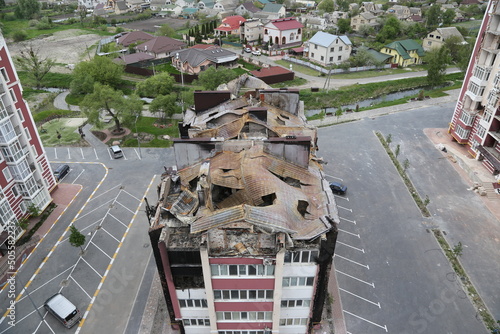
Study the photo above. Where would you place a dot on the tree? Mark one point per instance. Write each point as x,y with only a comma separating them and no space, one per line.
454,44
448,16
432,16
165,105
76,238
437,60
35,66
326,6
211,78
105,99
27,9
99,69
160,84
390,30
343,5
344,25
165,30
366,30
463,59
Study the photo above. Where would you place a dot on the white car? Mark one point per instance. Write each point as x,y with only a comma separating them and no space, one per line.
256,53
248,50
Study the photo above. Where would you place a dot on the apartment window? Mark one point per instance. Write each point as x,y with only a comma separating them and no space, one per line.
297,281
492,98
7,174
339,58
196,322
315,47
5,212
332,49
12,95
340,48
481,131
488,114
21,170
5,77
322,58
466,118
293,322
296,303
429,43
312,55
20,113
243,294
438,37
431,36
196,303
34,152
331,59
301,256
461,132
242,270
15,191
475,89
250,316
7,132
28,188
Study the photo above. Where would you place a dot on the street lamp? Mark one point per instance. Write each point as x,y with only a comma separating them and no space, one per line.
138,137
182,78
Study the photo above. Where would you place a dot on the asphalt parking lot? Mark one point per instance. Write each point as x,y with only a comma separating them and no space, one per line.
392,274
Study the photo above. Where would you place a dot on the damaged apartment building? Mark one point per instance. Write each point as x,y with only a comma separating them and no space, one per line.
244,230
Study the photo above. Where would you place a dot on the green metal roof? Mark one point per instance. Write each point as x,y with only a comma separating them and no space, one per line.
403,47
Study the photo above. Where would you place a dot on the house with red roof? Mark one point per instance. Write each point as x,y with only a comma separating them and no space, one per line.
273,74
283,32
134,37
230,25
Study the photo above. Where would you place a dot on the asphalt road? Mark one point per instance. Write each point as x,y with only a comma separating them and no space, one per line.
393,277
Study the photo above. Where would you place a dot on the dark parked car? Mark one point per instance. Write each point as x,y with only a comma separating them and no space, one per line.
338,188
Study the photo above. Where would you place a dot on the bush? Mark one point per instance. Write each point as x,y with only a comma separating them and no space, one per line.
19,36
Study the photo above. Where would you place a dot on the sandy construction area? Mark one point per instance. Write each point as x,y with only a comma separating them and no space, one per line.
65,47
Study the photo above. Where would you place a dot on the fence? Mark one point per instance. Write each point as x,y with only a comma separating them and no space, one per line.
334,70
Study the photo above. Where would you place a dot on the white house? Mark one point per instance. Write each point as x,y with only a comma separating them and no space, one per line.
283,31
325,49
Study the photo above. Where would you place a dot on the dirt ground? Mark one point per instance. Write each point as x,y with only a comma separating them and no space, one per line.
65,47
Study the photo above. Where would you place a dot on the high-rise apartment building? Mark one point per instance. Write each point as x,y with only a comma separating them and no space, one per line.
476,120
245,227
26,177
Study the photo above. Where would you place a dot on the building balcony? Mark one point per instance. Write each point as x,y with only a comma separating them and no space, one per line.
491,155
495,134
474,97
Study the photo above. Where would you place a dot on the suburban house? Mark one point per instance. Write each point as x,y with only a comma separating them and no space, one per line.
251,31
134,37
133,58
436,38
160,46
325,49
230,25
247,8
283,31
401,12
362,19
273,74
404,53
195,60
272,11
314,22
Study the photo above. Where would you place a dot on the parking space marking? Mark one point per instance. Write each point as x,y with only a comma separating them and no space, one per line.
356,248
83,170
334,177
97,208
74,280
100,250
138,155
359,264
343,197
368,321
47,282
118,220
112,236
55,152
45,322
341,207
95,152
362,298
347,232
131,195
88,264
81,151
80,325
69,154
123,206
348,220
357,279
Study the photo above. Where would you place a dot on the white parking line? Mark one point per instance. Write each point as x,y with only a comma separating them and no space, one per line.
359,264
74,280
97,158
47,282
81,151
112,236
138,155
124,207
338,178
101,251
348,220
36,330
88,264
118,220
346,198
356,248
69,154
368,321
107,191
366,300
131,195
55,153
354,234
124,156
100,206
78,176
341,207
360,280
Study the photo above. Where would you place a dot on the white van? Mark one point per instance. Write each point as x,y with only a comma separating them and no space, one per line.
64,310
116,151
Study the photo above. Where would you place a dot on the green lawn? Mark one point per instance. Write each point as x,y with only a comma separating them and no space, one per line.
298,68
146,126
11,26
50,130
